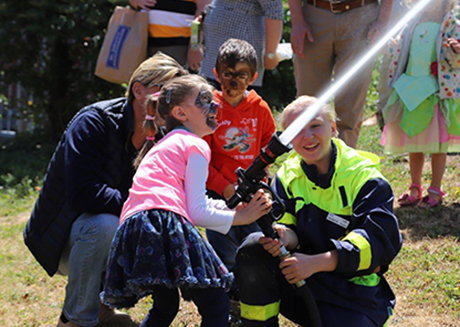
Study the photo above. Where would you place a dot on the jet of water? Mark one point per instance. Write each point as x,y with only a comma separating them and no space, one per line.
297,125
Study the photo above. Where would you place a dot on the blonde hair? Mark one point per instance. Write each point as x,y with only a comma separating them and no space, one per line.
301,104
156,70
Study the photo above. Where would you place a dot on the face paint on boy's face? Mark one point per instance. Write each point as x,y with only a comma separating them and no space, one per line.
235,81
208,107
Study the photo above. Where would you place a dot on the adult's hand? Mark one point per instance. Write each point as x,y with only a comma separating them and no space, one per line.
298,34
194,58
300,29
381,23
143,4
273,32
374,32
270,63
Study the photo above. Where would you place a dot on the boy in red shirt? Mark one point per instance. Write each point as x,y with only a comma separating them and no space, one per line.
245,125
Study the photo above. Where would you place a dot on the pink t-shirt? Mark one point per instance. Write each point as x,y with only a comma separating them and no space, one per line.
159,180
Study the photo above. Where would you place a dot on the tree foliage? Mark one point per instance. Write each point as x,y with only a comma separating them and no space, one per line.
279,84
51,48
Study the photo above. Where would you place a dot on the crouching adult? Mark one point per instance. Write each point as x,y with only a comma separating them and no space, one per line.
339,225
87,181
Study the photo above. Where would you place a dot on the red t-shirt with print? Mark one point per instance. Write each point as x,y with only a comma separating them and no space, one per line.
241,133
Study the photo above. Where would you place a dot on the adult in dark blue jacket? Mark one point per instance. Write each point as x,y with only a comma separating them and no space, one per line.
87,181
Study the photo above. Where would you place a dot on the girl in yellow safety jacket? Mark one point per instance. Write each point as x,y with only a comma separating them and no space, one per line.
340,226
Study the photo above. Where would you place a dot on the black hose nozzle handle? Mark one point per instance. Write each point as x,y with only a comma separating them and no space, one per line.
250,178
265,222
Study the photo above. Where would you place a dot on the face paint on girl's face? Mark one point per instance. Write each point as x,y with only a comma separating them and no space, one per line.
208,107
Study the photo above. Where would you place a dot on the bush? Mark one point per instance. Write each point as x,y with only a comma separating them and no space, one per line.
50,48
23,161
279,84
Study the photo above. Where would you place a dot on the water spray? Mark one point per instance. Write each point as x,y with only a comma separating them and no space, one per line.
249,180
296,126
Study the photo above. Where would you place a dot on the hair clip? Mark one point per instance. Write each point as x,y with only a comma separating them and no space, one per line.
148,117
150,138
168,96
213,106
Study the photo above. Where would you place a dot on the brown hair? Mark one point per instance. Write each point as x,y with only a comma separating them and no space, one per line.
172,94
233,51
156,70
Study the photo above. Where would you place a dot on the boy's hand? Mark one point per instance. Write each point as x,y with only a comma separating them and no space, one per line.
247,213
229,190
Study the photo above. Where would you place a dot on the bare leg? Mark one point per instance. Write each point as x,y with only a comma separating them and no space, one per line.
438,166
416,161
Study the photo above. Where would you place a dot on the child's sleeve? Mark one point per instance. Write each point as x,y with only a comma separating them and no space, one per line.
204,212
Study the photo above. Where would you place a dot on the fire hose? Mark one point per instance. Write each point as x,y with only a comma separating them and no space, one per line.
249,181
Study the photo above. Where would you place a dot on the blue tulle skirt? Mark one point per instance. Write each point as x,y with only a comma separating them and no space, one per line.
159,247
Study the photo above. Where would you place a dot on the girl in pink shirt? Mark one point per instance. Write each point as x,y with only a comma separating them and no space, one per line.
157,248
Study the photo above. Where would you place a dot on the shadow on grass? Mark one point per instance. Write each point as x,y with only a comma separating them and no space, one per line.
419,222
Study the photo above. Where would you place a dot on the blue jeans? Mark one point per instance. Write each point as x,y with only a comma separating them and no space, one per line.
84,259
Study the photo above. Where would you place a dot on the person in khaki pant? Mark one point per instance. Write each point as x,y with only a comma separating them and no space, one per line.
327,38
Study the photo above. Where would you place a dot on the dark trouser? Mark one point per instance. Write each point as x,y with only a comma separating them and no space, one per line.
226,245
178,52
264,292
213,306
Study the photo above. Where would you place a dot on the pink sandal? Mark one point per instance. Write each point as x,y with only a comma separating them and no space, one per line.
431,202
406,199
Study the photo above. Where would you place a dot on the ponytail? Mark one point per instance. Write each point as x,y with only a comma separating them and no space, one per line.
150,129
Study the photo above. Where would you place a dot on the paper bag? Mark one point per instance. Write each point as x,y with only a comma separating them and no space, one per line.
124,46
